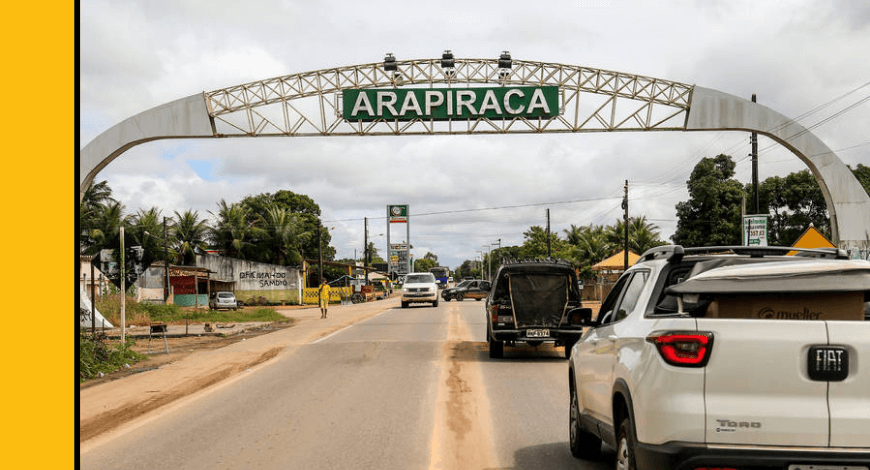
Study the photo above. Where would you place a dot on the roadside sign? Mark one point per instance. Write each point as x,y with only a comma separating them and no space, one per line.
755,230
442,104
398,213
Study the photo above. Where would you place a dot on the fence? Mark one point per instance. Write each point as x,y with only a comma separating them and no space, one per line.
310,295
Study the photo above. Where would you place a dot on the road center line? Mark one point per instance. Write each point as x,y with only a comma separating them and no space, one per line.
461,436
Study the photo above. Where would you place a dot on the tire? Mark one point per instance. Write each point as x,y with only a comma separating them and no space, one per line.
460,297
447,298
625,446
405,304
435,303
496,349
583,444
569,343
479,299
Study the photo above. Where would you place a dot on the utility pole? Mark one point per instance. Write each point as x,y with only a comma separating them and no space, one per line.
548,234
366,246
165,264
625,223
319,255
123,292
753,140
93,298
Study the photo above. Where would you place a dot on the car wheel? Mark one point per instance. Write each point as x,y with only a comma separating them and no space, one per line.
625,446
404,304
496,349
460,297
569,343
582,443
479,299
435,303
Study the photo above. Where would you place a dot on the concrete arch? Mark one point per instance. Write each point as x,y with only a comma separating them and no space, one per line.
620,102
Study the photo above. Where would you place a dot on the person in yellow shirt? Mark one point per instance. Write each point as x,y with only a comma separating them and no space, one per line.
324,297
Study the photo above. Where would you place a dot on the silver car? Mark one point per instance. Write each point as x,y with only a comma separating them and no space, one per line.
219,300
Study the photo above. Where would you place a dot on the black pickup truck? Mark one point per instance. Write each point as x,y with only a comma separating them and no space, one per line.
530,303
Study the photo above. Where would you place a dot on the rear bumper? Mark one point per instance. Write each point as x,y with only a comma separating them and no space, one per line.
687,456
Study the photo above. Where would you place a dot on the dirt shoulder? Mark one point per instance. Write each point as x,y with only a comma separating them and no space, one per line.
180,347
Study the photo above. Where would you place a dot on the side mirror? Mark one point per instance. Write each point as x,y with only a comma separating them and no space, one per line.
580,316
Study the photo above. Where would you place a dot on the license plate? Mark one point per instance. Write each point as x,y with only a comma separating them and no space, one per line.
826,467
537,333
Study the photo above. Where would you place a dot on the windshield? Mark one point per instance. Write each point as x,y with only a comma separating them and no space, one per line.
464,284
225,295
419,278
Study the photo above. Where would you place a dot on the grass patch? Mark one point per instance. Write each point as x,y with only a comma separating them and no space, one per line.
96,357
144,313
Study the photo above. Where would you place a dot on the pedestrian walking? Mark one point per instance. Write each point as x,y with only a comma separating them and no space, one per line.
324,297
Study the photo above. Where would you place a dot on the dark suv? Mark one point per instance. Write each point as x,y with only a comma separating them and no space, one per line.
533,301
467,289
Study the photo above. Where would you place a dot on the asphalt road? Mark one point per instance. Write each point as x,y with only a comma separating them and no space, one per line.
406,389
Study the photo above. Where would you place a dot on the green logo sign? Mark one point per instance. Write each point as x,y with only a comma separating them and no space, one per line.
397,213
450,103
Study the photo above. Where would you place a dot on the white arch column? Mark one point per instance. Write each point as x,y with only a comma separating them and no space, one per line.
848,203
184,118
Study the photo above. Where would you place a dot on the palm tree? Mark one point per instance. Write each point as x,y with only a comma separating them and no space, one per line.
189,235
233,229
280,230
642,235
592,244
91,213
146,230
104,229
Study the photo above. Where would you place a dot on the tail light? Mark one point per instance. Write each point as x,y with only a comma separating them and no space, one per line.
493,312
683,348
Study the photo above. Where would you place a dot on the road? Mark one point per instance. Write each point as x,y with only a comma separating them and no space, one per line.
406,389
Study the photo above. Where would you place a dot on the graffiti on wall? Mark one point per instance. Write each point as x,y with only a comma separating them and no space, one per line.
265,279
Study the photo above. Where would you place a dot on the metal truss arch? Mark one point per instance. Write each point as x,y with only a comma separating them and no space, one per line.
308,104
591,100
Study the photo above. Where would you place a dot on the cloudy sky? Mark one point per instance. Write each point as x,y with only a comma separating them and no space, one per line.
801,57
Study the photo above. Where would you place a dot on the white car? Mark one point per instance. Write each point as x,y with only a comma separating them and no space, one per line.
223,300
419,288
744,360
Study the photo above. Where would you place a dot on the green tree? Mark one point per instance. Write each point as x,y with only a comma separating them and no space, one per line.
712,215
589,244
793,203
423,265
535,244
93,215
146,230
642,235
307,214
188,237
233,229
105,228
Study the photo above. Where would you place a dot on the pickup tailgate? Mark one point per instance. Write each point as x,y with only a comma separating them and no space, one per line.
757,387
849,399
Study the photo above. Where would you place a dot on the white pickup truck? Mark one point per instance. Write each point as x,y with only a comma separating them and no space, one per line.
728,357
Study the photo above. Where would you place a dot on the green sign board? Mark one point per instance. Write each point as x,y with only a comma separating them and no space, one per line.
397,213
450,103
755,230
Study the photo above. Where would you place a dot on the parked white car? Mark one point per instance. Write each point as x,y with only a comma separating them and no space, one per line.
419,287
223,300
749,359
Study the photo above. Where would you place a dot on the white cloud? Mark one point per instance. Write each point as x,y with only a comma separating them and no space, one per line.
137,55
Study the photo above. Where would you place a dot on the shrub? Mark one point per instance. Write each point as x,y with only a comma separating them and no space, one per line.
96,356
